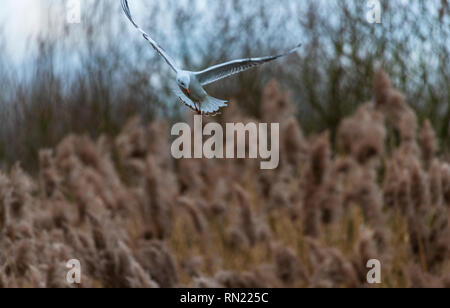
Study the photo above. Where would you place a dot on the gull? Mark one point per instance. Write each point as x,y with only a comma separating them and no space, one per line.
190,84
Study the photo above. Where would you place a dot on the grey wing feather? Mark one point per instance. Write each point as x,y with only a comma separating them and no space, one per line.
183,98
227,69
154,44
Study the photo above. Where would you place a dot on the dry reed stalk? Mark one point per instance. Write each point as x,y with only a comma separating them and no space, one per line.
112,205
314,176
428,143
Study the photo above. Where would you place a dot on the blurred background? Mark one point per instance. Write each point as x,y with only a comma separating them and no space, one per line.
89,77
364,170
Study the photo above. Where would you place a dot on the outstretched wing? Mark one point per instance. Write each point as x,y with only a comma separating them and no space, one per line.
183,98
224,70
154,44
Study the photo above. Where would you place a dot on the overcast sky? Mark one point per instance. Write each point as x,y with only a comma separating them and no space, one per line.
20,19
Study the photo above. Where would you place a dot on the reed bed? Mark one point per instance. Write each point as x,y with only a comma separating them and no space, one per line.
134,217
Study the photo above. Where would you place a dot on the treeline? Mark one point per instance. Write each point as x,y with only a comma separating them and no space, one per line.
89,78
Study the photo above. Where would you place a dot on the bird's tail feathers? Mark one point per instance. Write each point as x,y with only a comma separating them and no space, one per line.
212,105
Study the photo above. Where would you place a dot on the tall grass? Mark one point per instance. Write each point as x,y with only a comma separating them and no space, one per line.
89,78
357,181
136,218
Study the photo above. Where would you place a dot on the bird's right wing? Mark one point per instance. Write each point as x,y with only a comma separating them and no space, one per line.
154,44
227,69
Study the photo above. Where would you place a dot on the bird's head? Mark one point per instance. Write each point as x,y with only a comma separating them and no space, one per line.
184,80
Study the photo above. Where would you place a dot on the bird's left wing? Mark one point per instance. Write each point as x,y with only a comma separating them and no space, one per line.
183,98
154,44
227,69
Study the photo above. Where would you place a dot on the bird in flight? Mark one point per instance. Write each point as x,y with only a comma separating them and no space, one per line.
190,84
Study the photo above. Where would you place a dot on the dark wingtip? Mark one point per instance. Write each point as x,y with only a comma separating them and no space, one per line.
293,49
296,47
126,9
289,52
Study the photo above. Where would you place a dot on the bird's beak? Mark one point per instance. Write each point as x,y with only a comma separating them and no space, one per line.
188,91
